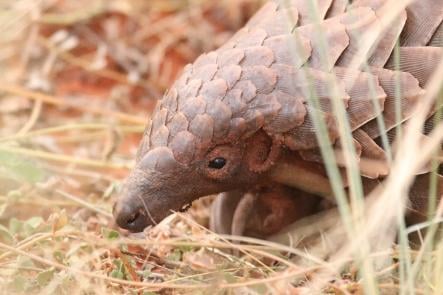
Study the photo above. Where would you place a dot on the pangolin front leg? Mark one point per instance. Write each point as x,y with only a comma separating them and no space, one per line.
262,211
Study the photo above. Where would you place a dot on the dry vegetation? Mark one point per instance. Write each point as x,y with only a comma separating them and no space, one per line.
79,80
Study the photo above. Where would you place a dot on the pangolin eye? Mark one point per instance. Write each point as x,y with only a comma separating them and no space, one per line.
217,163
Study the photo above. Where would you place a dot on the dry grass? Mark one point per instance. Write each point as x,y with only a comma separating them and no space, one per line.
79,79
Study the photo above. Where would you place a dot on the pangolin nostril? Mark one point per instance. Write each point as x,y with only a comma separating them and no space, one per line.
130,217
133,218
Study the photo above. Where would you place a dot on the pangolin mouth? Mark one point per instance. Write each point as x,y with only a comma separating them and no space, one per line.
185,207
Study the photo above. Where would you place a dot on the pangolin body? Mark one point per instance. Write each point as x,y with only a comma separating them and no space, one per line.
239,111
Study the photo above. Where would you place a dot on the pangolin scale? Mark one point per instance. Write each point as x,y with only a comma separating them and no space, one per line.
239,111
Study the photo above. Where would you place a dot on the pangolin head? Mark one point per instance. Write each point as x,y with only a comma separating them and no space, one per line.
206,136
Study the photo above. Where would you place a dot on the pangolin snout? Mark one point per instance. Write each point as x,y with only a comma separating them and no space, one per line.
130,216
148,195
131,209
144,201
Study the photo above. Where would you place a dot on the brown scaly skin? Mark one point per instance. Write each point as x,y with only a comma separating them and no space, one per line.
226,122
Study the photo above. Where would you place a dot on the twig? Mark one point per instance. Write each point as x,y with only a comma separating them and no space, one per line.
35,114
52,100
64,158
68,127
83,203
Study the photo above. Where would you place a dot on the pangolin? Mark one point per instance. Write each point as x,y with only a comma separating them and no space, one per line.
238,112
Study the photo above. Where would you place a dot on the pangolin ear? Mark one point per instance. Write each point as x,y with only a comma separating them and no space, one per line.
262,151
